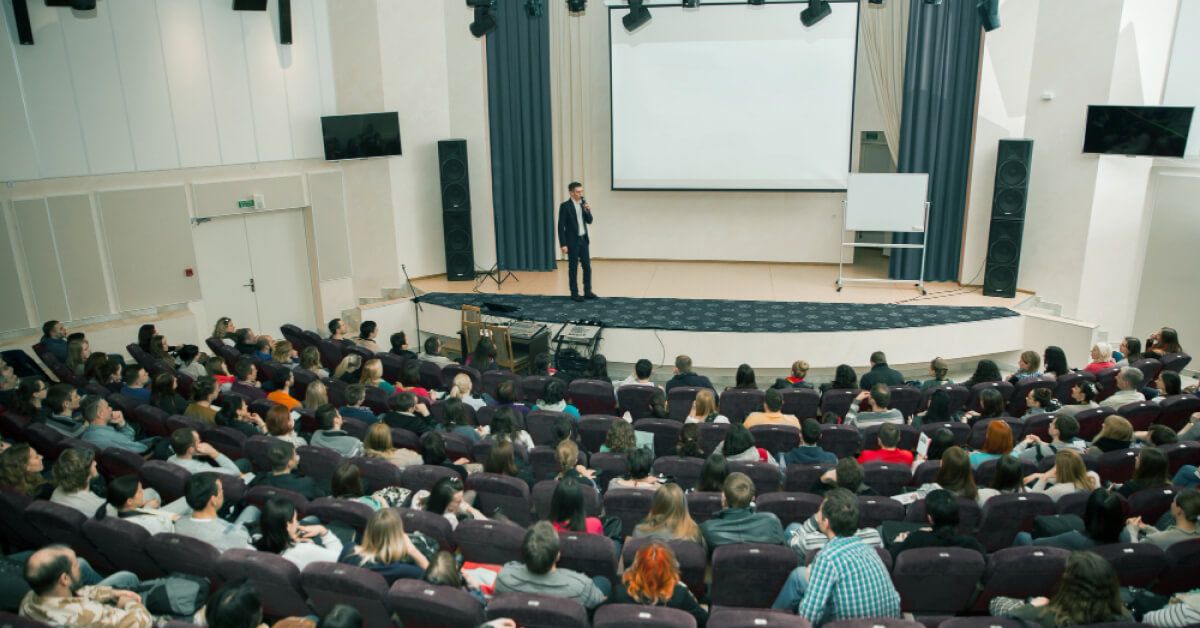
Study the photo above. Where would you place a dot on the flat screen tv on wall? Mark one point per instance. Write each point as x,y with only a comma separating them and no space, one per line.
361,135
1149,131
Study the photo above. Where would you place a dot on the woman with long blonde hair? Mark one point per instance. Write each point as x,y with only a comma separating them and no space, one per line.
387,550
378,444
310,360
1116,434
461,389
372,375
669,518
1069,475
315,396
704,409
349,370
281,353
653,580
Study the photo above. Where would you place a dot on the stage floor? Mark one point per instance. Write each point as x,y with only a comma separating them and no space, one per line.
732,280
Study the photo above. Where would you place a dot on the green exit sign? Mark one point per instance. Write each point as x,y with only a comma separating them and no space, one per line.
246,204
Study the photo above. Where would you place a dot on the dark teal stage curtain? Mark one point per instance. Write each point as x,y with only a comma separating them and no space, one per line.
936,123
518,69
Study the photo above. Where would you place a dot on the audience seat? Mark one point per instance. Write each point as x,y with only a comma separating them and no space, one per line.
376,400
683,471
1141,414
276,578
328,584
1016,403
347,511
318,463
64,525
802,403
1073,504
691,556
958,396
1006,515
168,478
1150,504
1004,388
979,430
1180,574
875,622
418,604
12,426
1039,425
592,396
906,399
1136,564
431,375
405,439
590,554
801,478
755,618
175,553
1181,453
543,462
255,449
1117,466
300,381
703,505
926,472
178,422
376,473
962,431
711,435
114,463
490,383
223,351
842,440
1177,410
451,370
981,622
1176,362
17,531
45,440
423,477
258,495
969,514
986,471
636,400
886,478
1106,382
430,524
765,475
937,580
294,335
750,574
1021,572
666,434
593,429
1149,367
9,620
544,490
608,465
737,403
776,438
531,388
630,505
540,425
533,610
226,440
1064,383
1091,421
623,615
489,541
507,494
789,507
875,510
123,543
909,437
680,400
838,401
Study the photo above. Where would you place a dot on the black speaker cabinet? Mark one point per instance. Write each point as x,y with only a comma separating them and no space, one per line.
249,5
456,210
1003,258
1011,196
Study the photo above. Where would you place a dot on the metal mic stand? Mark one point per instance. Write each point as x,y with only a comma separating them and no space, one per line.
416,299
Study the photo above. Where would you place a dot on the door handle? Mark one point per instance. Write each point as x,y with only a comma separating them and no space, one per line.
249,285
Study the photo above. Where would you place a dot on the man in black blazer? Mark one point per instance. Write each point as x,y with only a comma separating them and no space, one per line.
574,216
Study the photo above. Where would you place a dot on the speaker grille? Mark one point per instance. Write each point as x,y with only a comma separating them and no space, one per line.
1012,179
1003,258
456,210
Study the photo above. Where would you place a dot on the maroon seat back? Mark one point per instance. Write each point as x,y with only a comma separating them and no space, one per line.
635,400
838,401
1064,383
537,610
1182,453
175,553
1150,504
1180,573
1021,572
765,475
530,389
937,579
543,492
776,438
592,396
691,556
420,477
329,584
540,425
1117,466
353,513
507,494
887,478
622,615
589,554
1006,515
802,403
1017,403
123,543
711,435
1091,421
906,399
276,578
1136,564
422,605
630,505
962,431
489,541
873,510
1141,414
750,574
168,478
790,507
703,505
801,478
680,399
909,437
593,429
841,440
666,434
1004,388
737,403
683,471
755,618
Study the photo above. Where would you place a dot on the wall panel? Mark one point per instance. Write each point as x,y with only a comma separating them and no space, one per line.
219,198
17,157
304,85
101,102
50,97
149,240
227,58
37,244
265,60
12,306
144,81
329,222
185,53
79,254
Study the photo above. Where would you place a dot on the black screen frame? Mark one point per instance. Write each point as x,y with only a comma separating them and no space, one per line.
390,118
1094,109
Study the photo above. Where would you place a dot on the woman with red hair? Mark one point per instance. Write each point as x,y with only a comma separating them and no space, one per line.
653,580
997,442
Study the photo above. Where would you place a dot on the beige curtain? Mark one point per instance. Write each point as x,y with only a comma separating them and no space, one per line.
571,92
885,33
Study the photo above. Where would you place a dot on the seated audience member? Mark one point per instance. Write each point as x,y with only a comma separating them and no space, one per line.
346,483
1151,470
206,497
1116,434
446,499
941,510
1167,384
668,519
367,332
640,462
704,409
204,393
461,389
1185,510
739,446
1101,358
1163,342
310,360
809,451
844,378
538,572
225,331
877,399
656,407
284,461
186,444
552,399
997,442
372,376
653,580
797,374
355,395
21,469
568,510
684,376
237,415
349,370
954,475
73,473
712,474
1129,381
410,381
848,474
246,380
262,349
597,368
941,440
108,428
889,451
1054,360
57,597
738,522
1009,479
29,401
937,412
504,425
300,544
337,332
772,412
315,396
433,453
387,550
880,373
1083,397
502,460
399,342
163,395
379,444
1028,365
985,371
128,499
1180,611
483,358
281,385
688,445
938,368
433,352
330,433
620,438
808,537
1040,401
280,425
846,580
506,397
407,414
1130,351
238,605
642,370
991,406
743,378
284,355
444,571
1103,520
219,371
1069,475
245,341
54,339
1088,593
1064,434
1158,435
189,364
63,403
78,351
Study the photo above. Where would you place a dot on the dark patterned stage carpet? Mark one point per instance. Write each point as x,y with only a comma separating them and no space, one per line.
723,315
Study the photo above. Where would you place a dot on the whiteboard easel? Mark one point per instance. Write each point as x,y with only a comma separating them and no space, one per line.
885,202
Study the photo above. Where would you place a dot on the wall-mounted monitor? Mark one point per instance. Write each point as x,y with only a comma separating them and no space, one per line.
361,135
1149,131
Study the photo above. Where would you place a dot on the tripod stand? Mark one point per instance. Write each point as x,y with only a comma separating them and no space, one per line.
496,274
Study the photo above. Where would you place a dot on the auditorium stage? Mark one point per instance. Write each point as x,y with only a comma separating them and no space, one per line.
801,315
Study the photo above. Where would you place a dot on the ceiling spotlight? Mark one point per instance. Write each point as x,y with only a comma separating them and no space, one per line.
876,1
758,1
933,1
576,6
484,22
691,4
638,15
817,10
989,14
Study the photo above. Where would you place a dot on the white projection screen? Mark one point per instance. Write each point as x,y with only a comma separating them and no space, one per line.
733,97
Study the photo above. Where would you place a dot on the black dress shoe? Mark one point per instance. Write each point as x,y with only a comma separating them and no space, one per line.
577,298
590,295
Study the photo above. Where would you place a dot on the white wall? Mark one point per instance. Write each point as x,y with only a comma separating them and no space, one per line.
1168,296
141,85
1183,77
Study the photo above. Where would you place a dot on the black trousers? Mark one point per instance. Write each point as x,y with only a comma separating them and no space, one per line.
579,255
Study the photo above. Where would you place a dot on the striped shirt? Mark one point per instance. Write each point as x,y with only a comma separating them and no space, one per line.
847,580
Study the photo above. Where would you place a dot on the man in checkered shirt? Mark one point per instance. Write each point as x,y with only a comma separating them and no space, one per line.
847,579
